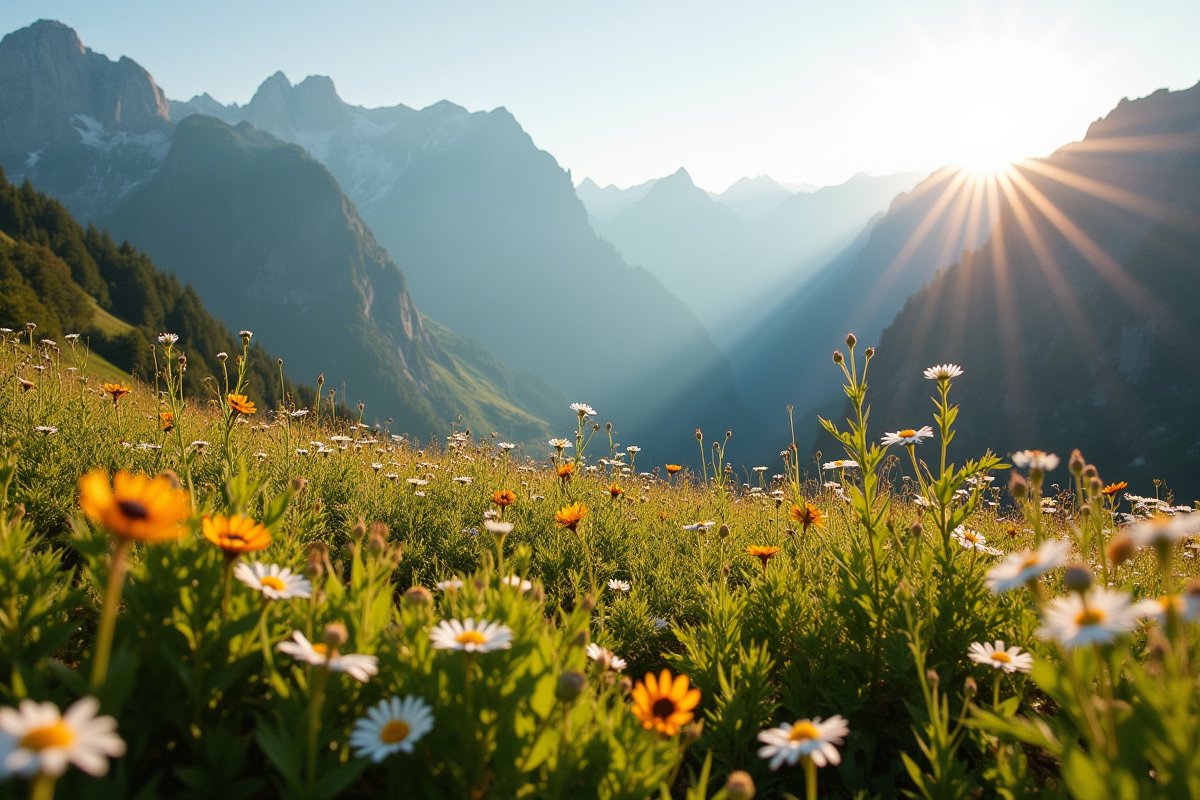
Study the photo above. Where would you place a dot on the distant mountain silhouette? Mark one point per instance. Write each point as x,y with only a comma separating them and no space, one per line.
604,204
261,230
731,270
753,198
785,359
497,245
1077,321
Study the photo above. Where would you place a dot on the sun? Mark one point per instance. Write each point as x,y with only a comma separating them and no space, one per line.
985,164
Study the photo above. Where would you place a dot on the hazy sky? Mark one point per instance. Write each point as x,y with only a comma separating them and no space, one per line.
626,91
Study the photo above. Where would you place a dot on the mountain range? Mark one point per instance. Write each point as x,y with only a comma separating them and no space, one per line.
497,246
728,268
1076,322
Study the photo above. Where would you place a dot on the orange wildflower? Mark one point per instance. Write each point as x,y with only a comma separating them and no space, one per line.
236,534
673,468
166,421
615,491
241,404
570,516
1113,488
504,497
117,390
135,506
763,553
664,704
565,470
25,385
807,515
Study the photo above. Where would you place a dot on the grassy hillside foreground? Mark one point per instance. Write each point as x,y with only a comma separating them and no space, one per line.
460,619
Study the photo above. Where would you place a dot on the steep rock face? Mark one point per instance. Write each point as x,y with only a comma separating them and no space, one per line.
264,232
1076,322
80,126
496,245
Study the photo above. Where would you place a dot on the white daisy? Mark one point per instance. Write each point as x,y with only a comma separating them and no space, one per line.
1020,568
46,429
518,584
1010,659
908,436
359,667
605,658
463,479
36,737
618,586
450,634
1164,530
973,540
391,726
275,582
449,585
1099,617
168,338
1035,459
416,482
699,526
298,413
806,739
633,448
583,409
843,463
560,444
943,372
1186,606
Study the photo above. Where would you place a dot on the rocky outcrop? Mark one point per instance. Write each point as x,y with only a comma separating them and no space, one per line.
82,127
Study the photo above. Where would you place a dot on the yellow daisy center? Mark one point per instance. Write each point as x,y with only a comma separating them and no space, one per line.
470,637
1032,561
970,536
1002,657
394,732
56,734
320,649
803,731
1089,616
271,582
907,433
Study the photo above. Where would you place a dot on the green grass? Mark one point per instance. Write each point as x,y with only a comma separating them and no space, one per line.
839,622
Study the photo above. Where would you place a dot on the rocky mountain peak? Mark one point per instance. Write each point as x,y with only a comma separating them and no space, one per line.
49,82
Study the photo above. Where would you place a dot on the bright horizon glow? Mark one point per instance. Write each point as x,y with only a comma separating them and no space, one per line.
624,91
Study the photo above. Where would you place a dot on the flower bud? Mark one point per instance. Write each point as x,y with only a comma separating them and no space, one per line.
580,640
699,435
838,358
320,380
851,340
360,529
1017,487
1076,463
1095,486
932,677
378,541
869,353
626,684
299,485
418,596
1120,549
222,356
1089,472
971,687
570,685
739,786
588,604
1078,578
607,426
723,531
916,530
335,635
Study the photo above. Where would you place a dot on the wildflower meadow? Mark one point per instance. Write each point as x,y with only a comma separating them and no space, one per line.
219,595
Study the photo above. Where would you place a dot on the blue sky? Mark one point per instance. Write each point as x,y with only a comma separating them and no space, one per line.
626,91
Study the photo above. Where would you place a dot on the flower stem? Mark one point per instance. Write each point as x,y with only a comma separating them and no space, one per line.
315,702
108,614
42,787
810,779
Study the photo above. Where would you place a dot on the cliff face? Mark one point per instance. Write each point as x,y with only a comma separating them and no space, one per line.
82,127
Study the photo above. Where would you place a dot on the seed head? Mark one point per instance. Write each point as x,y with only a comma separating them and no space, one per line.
971,687
419,596
739,786
838,358
1120,549
1017,486
1076,463
1089,472
336,635
570,685
869,353
851,340
1078,578
723,531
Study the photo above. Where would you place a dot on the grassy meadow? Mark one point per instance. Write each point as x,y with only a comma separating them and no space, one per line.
291,604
